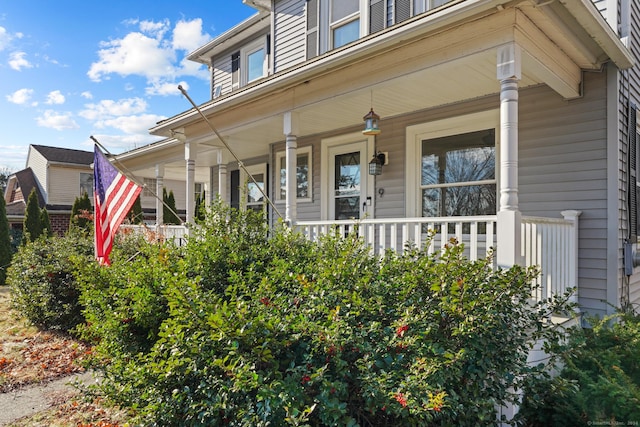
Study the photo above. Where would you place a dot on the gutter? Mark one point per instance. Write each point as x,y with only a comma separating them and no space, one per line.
590,18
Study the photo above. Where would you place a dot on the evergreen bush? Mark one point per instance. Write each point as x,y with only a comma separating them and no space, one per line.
252,326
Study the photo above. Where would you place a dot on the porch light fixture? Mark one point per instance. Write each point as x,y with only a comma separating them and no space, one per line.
371,123
375,165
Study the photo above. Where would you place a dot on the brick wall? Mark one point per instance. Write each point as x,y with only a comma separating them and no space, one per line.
59,223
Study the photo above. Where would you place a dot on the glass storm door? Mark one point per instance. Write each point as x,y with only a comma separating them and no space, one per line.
348,181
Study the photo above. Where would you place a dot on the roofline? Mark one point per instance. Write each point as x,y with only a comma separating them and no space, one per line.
584,11
590,18
229,38
146,149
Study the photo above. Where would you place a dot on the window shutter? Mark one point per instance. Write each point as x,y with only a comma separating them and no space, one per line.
235,70
376,16
235,189
312,28
633,172
403,10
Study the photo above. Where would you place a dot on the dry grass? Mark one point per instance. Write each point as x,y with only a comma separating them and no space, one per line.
29,356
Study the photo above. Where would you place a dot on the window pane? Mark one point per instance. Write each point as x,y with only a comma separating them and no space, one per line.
346,33
458,175
254,195
255,66
347,180
302,176
343,8
86,184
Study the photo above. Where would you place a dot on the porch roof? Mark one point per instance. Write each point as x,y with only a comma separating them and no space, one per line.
433,59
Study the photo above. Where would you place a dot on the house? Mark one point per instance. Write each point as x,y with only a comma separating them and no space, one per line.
58,175
504,124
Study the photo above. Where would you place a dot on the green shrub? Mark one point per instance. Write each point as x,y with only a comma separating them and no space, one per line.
599,380
42,277
252,326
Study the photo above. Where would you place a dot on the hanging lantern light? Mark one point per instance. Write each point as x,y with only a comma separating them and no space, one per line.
375,165
371,123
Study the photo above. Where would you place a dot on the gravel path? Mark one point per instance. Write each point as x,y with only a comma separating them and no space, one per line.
30,400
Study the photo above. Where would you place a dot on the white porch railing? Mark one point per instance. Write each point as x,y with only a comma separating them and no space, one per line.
175,233
477,233
549,243
552,244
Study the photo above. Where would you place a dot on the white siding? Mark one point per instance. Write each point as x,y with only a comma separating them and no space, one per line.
222,72
38,164
289,36
179,191
64,184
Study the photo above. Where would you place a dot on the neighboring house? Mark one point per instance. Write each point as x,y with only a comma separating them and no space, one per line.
59,176
505,124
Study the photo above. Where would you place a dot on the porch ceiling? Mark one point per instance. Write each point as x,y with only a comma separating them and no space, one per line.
414,67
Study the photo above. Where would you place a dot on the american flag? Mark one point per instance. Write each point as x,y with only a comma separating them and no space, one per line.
114,194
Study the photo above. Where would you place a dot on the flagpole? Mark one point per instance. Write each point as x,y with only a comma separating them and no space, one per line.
133,178
240,163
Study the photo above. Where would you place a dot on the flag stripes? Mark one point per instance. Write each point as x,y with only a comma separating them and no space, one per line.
114,195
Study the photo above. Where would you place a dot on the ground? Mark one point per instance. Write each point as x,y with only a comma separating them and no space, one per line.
40,364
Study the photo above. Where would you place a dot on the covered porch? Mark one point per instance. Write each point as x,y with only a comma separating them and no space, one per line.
464,63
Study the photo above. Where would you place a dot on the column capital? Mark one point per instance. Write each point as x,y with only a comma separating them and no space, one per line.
291,123
509,64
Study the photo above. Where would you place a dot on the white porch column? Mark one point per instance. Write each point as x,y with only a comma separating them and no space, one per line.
509,251
190,149
158,190
222,177
290,132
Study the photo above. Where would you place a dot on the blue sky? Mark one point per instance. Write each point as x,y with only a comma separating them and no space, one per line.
70,69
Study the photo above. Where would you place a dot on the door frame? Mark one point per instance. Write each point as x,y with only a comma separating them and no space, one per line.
368,181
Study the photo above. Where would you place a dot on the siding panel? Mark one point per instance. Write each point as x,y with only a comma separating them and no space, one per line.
290,25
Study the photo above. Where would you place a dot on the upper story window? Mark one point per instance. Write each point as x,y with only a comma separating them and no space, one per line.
332,24
345,22
249,63
86,184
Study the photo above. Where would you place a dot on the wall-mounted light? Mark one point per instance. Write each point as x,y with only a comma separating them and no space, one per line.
371,123
375,165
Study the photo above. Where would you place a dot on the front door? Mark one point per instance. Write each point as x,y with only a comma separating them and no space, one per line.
348,182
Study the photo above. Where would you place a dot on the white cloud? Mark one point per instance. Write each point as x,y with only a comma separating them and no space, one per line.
131,124
167,88
6,38
156,29
21,96
188,35
17,61
134,54
152,54
55,97
86,95
108,108
57,121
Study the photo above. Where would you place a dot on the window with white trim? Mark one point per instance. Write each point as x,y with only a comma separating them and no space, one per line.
253,62
458,175
149,189
253,197
303,175
86,184
332,24
451,166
